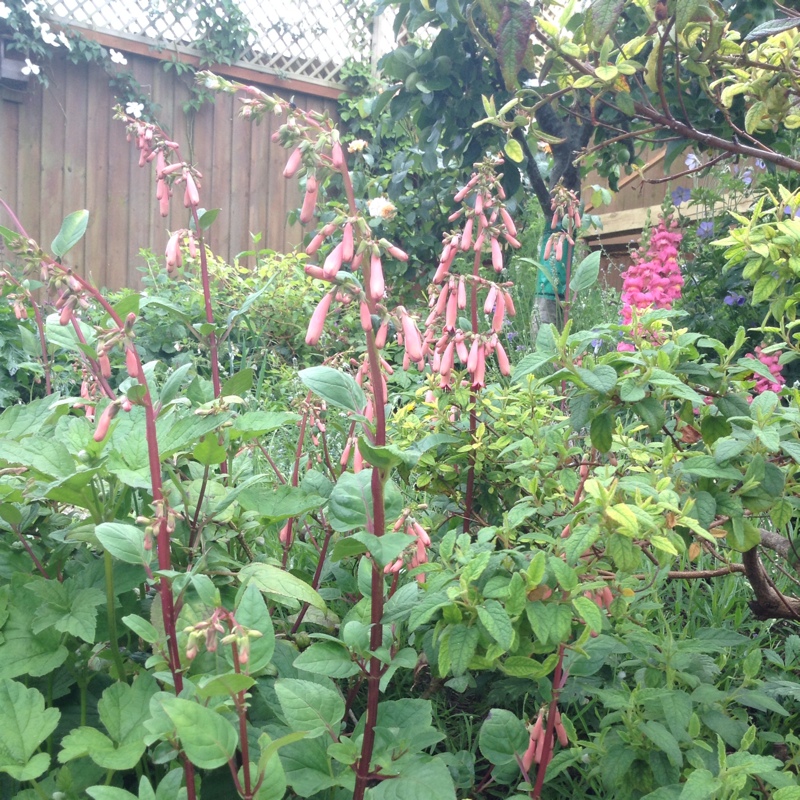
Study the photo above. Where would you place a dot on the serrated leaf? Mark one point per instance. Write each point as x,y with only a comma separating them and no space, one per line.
587,609
586,274
551,622
512,41
309,707
772,27
496,621
602,18
602,378
26,724
600,431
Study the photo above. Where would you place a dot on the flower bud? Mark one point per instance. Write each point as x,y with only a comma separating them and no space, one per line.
317,323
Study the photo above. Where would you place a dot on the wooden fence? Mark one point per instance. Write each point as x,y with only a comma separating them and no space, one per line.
60,151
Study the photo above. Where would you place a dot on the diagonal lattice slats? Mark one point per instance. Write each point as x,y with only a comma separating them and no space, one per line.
308,39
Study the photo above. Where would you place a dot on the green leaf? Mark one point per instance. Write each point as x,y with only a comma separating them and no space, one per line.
602,378
651,412
252,613
430,603
602,17
460,644
66,607
45,457
309,707
502,736
587,609
89,742
772,27
513,149
72,230
585,276
606,73
280,584
277,503
700,785
209,451
253,424
181,435
386,457
207,738
109,793
224,685
141,627
335,387
420,779
238,384
125,542
207,218
663,740
173,383
26,724
496,621
350,502
327,658
551,622
601,431
707,467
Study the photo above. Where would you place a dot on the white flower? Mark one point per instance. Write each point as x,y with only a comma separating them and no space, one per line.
63,39
356,146
30,10
134,109
48,37
381,207
117,57
5,11
30,68
693,162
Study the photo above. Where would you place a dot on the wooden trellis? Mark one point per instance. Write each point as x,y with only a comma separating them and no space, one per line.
305,39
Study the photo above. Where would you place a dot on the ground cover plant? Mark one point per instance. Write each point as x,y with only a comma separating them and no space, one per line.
405,568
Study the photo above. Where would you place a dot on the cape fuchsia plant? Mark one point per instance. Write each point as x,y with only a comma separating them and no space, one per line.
154,145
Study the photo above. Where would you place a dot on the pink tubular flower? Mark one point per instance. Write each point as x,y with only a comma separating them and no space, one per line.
347,243
132,362
105,420
293,163
317,323
502,360
309,201
191,197
173,251
333,262
411,337
377,286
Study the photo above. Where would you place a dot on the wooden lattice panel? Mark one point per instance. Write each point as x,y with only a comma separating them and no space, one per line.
308,39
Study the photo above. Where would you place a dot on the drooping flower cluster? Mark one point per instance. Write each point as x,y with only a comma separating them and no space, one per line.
565,223
772,362
486,221
654,278
153,145
421,542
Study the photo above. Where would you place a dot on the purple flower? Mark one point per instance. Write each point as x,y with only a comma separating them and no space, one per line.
789,213
597,344
733,299
511,335
681,195
747,177
705,230
761,164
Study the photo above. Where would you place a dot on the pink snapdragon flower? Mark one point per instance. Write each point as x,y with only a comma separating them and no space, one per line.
654,278
772,363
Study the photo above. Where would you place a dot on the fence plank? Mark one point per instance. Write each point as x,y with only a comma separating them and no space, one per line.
61,150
